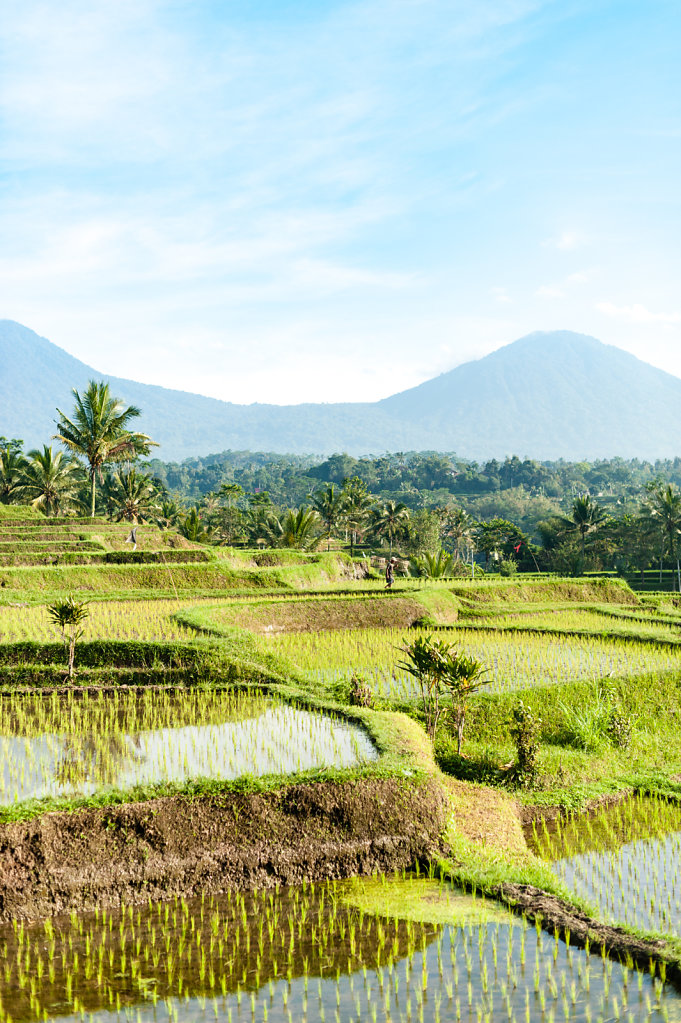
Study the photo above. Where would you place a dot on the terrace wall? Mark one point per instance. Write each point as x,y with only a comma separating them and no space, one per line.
182,846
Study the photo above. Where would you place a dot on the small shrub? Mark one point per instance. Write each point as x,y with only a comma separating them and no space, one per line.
525,732
68,615
508,568
359,692
619,729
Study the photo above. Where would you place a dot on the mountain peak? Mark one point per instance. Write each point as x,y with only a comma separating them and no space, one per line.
550,394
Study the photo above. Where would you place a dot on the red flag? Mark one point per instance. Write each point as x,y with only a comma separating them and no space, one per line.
516,549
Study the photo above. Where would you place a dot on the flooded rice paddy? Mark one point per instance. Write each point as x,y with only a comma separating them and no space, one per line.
107,619
514,660
79,743
403,949
625,860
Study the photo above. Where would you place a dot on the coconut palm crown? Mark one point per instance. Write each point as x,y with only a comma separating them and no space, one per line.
51,480
97,431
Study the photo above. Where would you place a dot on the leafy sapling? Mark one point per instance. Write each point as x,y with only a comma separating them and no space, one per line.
68,615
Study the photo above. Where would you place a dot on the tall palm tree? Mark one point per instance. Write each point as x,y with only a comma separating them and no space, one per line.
328,504
133,495
586,517
459,526
12,465
98,432
357,503
664,505
389,520
51,480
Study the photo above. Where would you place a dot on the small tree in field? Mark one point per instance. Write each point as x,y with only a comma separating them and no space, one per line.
68,615
462,676
425,658
439,668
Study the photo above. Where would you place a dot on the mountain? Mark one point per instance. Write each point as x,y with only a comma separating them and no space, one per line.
548,395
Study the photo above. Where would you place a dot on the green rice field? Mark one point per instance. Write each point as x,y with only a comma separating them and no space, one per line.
587,620
113,619
514,660
625,860
386,949
79,743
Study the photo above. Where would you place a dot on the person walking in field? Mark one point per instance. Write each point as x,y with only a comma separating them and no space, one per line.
390,574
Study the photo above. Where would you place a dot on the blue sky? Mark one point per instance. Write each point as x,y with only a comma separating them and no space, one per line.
300,201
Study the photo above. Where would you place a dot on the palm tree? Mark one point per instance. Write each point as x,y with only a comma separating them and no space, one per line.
434,566
297,529
230,520
133,495
168,514
459,526
328,504
664,506
389,520
192,527
98,431
51,480
12,465
586,517
357,503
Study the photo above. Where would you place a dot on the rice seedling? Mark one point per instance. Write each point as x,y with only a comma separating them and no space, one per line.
81,742
614,622
114,619
325,952
514,660
624,860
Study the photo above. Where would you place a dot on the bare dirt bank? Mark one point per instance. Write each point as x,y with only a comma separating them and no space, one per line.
180,846
570,923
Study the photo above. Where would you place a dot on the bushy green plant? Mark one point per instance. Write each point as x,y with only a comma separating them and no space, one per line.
525,731
359,691
619,729
440,668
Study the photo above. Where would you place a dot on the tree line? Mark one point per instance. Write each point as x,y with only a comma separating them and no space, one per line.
406,503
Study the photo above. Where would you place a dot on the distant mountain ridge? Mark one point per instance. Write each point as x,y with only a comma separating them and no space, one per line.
548,395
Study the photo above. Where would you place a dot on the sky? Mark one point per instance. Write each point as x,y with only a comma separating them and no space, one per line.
308,200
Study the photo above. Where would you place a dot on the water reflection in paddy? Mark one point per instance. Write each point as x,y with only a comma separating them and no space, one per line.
404,949
625,860
79,743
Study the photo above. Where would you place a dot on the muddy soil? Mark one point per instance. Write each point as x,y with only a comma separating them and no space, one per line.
182,846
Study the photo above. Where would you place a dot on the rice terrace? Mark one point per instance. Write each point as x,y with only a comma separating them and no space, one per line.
295,769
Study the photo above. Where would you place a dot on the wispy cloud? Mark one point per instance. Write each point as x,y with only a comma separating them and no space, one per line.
566,241
340,181
637,314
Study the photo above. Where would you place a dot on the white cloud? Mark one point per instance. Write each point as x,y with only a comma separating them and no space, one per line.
546,291
637,314
500,295
566,241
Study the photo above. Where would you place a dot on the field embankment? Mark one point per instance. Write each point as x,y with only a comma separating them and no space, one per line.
182,846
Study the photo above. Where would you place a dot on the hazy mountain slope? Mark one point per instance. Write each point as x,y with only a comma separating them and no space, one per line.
548,395
36,377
